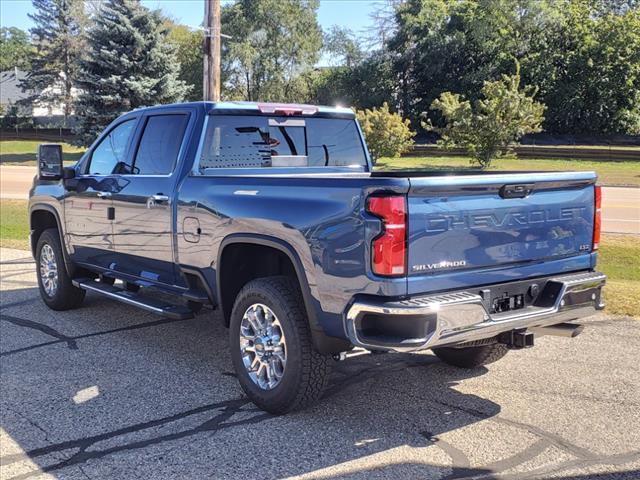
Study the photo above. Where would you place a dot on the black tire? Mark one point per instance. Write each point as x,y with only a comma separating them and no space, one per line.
471,357
65,296
306,372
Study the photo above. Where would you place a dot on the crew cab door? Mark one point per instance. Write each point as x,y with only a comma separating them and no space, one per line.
143,226
88,206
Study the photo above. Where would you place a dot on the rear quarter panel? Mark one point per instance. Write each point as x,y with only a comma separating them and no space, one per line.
321,217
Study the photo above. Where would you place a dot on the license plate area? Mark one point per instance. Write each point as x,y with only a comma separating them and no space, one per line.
507,303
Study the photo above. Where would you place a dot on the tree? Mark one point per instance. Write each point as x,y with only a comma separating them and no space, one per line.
57,37
486,129
188,46
129,64
274,41
15,49
450,45
584,55
368,84
387,134
588,71
343,46
384,22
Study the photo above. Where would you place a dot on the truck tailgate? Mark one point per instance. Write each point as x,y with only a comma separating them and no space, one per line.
476,223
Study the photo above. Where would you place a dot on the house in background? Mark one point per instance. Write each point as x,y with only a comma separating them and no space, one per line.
14,102
11,93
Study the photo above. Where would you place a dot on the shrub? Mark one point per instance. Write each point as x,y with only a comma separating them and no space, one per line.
486,129
386,133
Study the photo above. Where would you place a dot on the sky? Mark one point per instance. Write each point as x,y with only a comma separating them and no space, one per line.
353,14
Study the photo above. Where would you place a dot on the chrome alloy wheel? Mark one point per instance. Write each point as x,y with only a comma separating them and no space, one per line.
262,346
48,270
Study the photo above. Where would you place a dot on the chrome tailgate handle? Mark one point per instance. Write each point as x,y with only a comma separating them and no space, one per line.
516,191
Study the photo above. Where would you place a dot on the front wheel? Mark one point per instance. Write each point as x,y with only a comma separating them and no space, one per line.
54,282
471,357
271,347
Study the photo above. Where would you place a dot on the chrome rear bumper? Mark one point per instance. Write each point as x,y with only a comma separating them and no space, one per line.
420,323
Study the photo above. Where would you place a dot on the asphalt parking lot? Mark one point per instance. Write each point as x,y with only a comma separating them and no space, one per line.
108,391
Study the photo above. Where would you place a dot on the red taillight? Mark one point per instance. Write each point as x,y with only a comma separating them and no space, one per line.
389,249
597,217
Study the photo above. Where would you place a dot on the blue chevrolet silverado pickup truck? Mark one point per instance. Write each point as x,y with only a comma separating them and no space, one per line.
273,214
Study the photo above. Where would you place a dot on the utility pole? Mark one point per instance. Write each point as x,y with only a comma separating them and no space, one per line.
211,80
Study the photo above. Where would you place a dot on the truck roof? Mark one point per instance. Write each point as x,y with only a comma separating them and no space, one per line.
261,108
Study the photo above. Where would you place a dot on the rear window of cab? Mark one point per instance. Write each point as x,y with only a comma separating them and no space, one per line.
245,141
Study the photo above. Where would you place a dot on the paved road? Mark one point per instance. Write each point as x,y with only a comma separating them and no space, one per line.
621,206
15,181
107,391
621,210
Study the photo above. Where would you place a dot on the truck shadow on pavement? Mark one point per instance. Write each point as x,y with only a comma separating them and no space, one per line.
109,391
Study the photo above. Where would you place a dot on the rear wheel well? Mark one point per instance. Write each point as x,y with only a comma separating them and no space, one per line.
242,262
41,220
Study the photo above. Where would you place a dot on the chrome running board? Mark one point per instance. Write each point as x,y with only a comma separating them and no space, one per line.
153,305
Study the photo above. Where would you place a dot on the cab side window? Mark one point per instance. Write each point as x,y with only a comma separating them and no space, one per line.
160,144
110,154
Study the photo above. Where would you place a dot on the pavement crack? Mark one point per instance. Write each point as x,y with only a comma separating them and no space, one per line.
552,438
41,327
549,438
73,339
83,472
30,422
509,463
542,472
215,424
460,463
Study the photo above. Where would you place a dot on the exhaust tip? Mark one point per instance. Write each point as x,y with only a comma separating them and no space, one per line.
569,330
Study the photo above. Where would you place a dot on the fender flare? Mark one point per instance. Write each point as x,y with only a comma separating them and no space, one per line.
51,209
322,342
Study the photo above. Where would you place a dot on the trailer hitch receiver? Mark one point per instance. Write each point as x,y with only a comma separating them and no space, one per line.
516,339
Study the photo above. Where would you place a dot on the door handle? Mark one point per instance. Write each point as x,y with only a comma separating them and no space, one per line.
104,194
159,198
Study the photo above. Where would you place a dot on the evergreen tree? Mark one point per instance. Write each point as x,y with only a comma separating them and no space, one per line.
57,37
129,64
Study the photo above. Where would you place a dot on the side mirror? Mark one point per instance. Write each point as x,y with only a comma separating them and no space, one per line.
68,173
68,179
50,161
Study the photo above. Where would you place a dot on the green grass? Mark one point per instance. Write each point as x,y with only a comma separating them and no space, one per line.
14,224
23,152
618,258
609,173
